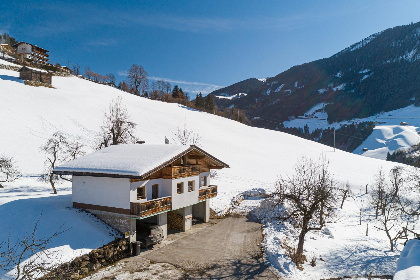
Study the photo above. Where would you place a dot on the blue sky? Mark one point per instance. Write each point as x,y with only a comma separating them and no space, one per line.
199,45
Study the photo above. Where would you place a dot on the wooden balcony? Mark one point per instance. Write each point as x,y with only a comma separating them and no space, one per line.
209,192
181,171
151,207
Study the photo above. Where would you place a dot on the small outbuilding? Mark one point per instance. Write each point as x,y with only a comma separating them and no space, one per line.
32,74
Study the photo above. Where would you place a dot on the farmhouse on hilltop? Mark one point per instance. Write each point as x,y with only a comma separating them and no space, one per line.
122,184
32,52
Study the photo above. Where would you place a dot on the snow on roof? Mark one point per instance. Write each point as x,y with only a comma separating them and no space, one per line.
126,159
34,69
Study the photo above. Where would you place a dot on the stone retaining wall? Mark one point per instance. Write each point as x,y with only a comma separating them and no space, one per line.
93,261
10,67
38,84
61,74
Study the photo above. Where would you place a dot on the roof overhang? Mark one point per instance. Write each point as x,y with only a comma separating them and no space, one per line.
218,164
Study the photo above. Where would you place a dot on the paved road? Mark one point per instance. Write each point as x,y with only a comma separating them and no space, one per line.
230,249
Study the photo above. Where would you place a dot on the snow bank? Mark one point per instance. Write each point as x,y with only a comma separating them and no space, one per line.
81,232
5,62
408,265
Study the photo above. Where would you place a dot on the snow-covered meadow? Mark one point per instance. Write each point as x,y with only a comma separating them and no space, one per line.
388,135
30,115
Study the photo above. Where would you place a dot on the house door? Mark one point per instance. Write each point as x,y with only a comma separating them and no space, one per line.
155,191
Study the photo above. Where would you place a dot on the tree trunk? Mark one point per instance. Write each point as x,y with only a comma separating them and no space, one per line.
344,198
299,250
391,243
52,183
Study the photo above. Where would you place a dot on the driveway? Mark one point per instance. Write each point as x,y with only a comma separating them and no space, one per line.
222,249
230,249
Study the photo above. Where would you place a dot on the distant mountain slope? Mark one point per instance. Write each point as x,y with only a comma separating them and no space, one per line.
244,86
233,91
379,73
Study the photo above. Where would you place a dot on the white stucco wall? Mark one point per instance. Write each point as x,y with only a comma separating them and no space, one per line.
119,192
24,48
103,191
186,198
164,189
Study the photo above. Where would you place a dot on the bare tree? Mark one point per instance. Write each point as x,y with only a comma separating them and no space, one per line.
167,87
59,149
8,170
124,86
13,254
111,79
186,136
308,197
88,73
137,77
117,127
76,69
389,205
345,192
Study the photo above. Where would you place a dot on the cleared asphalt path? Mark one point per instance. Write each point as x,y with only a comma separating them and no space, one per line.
230,249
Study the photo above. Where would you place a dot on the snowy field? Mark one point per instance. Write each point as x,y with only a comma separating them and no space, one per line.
388,135
387,139
30,115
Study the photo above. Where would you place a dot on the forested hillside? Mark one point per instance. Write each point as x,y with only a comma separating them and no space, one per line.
379,73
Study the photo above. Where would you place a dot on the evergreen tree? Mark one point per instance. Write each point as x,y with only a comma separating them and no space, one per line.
181,93
175,91
199,101
209,103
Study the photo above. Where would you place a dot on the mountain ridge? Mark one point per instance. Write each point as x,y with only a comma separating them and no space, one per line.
374,75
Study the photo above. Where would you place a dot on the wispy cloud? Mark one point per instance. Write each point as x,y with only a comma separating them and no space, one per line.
190,87
102,43
74,18
181,82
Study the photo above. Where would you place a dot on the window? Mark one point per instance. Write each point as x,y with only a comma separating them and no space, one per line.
155,191
141,192
180,188
204,181
190,186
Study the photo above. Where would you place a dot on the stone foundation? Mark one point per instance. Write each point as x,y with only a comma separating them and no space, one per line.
117,221
88,263
38,84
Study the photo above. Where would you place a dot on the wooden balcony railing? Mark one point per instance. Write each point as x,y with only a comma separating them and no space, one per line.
181,171
207,193
151,207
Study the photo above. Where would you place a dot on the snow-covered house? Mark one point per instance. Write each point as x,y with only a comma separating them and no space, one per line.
125,183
